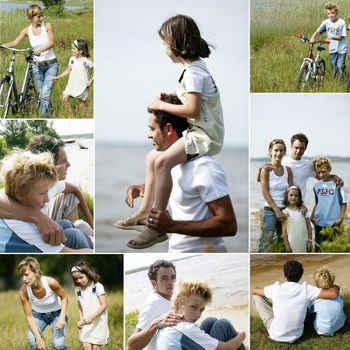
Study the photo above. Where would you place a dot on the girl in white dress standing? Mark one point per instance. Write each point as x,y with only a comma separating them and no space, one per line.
78,69
296,230
92,306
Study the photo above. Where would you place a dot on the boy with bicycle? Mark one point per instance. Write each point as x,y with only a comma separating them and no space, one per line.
336,33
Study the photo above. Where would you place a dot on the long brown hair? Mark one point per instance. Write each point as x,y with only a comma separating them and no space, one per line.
85,268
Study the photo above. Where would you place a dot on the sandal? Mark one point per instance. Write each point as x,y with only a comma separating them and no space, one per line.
131,223
147,238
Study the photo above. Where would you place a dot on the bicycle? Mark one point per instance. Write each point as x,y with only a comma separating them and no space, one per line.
312,70
26,102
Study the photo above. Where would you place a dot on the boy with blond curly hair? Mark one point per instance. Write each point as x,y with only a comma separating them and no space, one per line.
329,314
330,206
190,300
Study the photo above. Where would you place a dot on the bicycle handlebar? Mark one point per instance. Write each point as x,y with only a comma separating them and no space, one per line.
304,39
16,50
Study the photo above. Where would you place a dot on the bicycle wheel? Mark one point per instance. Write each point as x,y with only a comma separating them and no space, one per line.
30,101
303,76
321,71
5,96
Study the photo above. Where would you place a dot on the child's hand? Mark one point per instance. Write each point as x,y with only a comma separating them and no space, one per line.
80,324
88,320
309,247
339,221
155,103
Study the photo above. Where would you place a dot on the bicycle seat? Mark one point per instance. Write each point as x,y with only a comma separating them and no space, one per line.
320,48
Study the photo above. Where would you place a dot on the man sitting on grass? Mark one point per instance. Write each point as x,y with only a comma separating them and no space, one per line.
284,317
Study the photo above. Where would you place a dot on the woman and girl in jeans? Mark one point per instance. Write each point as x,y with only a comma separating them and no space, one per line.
45,68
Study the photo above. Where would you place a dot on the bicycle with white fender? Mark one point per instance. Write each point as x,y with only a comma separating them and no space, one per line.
312,69
24,102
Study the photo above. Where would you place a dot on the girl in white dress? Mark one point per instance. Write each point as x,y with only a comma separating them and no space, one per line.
296,230
92,306
78,69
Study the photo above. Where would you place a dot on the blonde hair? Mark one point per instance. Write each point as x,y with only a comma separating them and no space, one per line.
30,262
22,169
185,289
324,278
34,10
320,161
331,6
276,142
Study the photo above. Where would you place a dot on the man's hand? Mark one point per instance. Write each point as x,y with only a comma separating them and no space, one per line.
170,319
51,232
134,191
159,220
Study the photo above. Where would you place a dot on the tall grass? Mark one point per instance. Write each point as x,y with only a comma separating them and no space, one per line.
259,338
275,53
13,326
77,24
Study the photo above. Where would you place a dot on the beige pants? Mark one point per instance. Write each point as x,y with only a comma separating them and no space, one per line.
264,308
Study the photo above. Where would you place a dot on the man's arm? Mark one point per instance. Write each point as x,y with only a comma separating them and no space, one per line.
222,223
258,291
140,338
51,232
330,293
70,188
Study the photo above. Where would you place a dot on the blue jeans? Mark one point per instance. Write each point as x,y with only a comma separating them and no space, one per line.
43,75
221,330
44,319
338,63
271,230
75,238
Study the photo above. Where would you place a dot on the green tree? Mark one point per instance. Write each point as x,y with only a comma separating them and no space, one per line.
41,127
3,148
15,133
54,7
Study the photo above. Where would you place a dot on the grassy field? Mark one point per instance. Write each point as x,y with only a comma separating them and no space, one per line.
13,326
77,24
259,339
275,52
130,323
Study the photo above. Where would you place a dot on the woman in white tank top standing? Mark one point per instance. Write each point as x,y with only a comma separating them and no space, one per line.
48,305
274,184
41,39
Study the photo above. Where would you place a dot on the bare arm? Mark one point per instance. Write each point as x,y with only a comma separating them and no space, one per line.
51,232
70,188
309,235
140,338
222,223
290,176
330,293
23,296
19,38
258,291
80,322
190,110
63,74
340,220
56,287
285,236
103,306
51,42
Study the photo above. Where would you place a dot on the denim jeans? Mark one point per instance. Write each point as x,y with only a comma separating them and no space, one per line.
43,75
75,238
338,64
271,230
221,330
44,319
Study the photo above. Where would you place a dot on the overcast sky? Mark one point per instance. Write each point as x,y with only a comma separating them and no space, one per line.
323,118
132,68
73,126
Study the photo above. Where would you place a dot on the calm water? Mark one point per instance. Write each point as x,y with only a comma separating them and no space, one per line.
340,168
119,166
227,274
81,171
11,6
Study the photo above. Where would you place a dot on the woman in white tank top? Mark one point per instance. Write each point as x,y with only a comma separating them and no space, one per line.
48,305
274,184
41,39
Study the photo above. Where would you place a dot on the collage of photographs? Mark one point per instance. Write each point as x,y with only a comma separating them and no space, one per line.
140,137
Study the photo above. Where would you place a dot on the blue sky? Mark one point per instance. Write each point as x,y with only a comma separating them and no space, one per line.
132,68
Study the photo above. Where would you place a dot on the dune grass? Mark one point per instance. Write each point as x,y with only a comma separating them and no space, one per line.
275,52
77,24
259,338
13,326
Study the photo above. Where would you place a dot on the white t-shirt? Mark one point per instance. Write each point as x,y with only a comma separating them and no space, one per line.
302,169
195,184
154,307
290,301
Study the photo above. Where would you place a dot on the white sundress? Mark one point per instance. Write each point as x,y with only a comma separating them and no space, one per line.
296,230
97,332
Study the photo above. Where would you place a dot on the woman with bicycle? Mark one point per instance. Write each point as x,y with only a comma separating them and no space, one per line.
274,183
41,39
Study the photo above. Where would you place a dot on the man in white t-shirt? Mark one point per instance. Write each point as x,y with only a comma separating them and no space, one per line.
200,205
155,313
52,232
284,316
